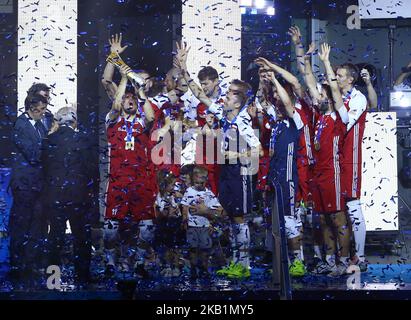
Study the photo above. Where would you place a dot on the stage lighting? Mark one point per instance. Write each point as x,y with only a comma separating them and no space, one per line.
265,7
246,3
271,11
260,4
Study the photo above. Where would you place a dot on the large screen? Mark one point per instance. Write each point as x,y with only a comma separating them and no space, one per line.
379,172
213,30
47,49
384,9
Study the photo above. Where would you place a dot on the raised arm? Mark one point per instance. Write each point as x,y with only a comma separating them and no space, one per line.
119,94
288,76
332,80
309,77
147,107
404,75
295,34
284,97
109,86
371,94
180,62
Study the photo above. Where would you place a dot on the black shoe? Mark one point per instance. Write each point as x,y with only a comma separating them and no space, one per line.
363,266
110,271
193,273
204,274
141,272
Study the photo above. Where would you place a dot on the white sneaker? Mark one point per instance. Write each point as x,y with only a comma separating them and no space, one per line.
166,272
338,270
322,267
123,265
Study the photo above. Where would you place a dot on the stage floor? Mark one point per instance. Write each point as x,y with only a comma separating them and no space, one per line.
380,281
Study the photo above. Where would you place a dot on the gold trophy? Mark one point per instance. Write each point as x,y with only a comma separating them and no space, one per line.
115,59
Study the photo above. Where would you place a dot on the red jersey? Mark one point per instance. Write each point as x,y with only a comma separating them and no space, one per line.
328,138
127,146
305,154
326,182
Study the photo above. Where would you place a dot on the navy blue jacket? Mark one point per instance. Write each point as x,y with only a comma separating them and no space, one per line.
26,167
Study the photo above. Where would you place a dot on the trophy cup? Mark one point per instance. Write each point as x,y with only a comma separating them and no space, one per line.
137,81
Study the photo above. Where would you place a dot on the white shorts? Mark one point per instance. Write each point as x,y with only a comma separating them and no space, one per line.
292,226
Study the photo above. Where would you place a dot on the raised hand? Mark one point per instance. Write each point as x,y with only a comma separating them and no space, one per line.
325,52
115,43
263,62
365,75
182,52
124,70
311,49
270,76
295,34
252,110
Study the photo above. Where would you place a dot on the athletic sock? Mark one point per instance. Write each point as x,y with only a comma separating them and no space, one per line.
330,259
241,234
317,252
358,226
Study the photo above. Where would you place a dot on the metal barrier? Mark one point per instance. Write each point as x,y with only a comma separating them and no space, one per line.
280,276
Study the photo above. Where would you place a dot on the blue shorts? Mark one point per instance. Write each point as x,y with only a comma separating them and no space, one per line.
235,190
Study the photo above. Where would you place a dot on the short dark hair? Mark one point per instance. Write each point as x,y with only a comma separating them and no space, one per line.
244,92
208,73
34,99
37,87
351,69
187,169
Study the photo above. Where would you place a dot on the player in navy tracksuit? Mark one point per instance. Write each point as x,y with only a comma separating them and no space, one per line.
240,147
286,124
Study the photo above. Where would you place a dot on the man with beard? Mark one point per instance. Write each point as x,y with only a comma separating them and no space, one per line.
129,199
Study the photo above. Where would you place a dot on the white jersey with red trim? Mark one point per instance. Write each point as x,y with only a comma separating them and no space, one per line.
353,114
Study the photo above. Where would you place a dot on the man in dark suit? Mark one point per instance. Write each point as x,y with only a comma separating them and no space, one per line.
27,226
43,90
68,186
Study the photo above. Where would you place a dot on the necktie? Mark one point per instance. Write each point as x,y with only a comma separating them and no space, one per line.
41,130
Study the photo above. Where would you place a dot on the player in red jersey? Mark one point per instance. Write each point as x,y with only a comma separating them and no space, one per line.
129,200
326,184
353,114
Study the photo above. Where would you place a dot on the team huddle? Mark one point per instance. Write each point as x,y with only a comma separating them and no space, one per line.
189,163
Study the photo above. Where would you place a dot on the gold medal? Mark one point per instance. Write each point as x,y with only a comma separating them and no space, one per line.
316,146
130,144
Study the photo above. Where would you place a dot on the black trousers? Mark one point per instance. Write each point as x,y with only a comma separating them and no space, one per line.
76,214
27,230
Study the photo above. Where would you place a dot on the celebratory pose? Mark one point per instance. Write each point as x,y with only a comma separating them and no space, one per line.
286,127
353,114
129,199
240,146
327,196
